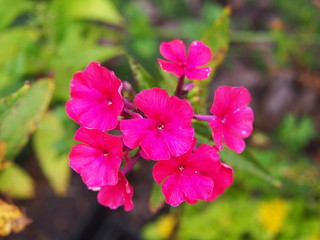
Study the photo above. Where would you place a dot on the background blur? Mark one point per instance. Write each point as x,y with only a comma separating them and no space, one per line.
271,47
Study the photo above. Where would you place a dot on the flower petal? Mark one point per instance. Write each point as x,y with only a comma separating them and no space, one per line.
155,146
205,159
198,73
133,131
92,137
240,122
199,54
172,190
174,50
163,169
171,67
222,180
95,169
96,98
217,132
178,111
179,139
196,186
117,195
233,141
153,102
228,99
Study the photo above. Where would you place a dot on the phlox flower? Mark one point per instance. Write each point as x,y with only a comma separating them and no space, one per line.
193,176
180,64
232,118
117,195
98,160
96,101
167,129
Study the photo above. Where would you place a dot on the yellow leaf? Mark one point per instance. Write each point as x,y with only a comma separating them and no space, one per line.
273,214
166,225
3,149
12,220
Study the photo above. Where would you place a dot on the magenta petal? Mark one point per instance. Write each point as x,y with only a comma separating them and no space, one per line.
233,141
70,112
199,54
222,180
241,122
93,137
81,86
179,139
178,111
229,99
210,159
96,99
196,186
178,132
134,130
174,50
163,169
95,169
101,78
117,195
153,102
172,190
198,73
217,133
155,146
171,67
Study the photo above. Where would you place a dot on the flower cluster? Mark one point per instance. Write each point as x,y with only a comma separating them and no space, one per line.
158,127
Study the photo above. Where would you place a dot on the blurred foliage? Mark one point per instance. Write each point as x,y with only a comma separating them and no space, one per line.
45,42
297,34
49,40
12,219
295,133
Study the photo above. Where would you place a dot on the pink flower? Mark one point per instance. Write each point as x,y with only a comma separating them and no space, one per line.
96,99
117,195
179,64
233,119
98,160
167,129
193,176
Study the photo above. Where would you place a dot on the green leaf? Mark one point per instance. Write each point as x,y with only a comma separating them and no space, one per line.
247,162
16,182
156,200
70,59
203,132
54,164
94,10
217,38
140,74
10,10
296,133
168,81
21,112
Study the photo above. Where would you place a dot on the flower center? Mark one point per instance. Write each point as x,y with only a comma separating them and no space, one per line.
224,119
160,126
108,101
181,168
105,153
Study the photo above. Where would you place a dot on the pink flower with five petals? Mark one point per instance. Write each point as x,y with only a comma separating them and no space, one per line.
98,160
180,64
167,129
117,195
96,99
232,118
193,176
